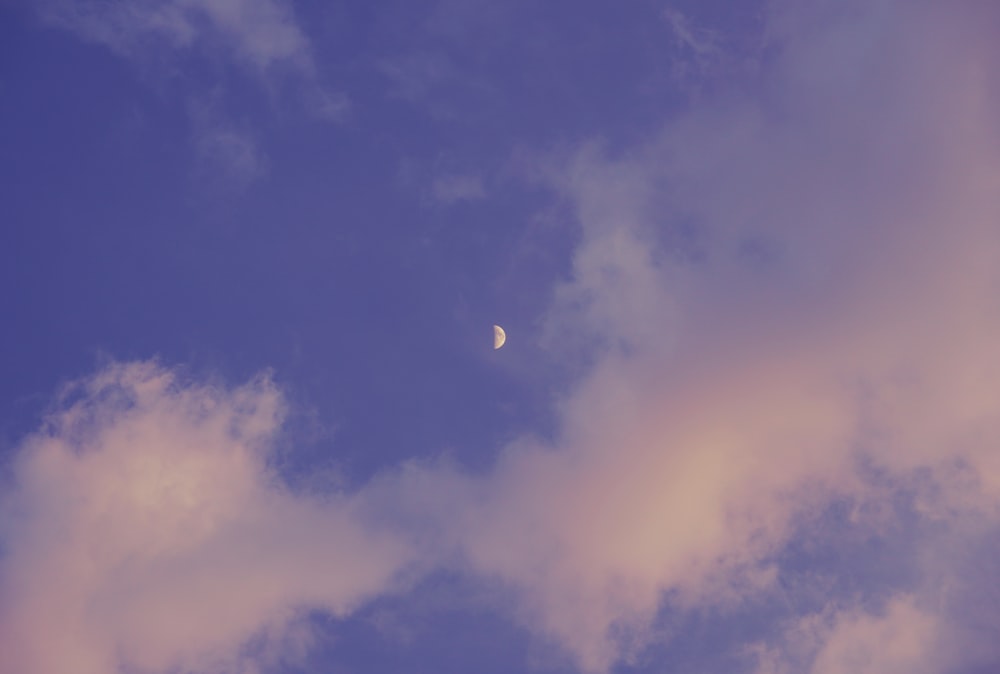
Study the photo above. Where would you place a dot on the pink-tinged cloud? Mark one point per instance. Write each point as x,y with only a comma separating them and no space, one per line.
899,638
791,298
146,530
789,303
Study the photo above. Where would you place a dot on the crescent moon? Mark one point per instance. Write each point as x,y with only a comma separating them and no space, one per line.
499,337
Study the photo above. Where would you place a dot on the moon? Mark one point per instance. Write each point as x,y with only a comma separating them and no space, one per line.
499,337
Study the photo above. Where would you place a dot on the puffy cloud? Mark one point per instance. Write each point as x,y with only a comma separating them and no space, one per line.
147,530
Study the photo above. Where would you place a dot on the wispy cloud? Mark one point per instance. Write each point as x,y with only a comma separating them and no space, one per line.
260,33
699,50
229,157
261,37
453,188
421,77
332,106
228,154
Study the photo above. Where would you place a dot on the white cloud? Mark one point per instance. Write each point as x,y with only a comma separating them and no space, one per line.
146,530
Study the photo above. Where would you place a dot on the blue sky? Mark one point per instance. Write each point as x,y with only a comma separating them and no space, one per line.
746,254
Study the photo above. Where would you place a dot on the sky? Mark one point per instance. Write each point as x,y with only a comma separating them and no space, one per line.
746,253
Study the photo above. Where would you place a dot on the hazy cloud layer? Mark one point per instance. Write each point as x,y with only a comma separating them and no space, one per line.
788,304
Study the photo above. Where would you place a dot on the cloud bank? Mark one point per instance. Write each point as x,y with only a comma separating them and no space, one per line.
790,304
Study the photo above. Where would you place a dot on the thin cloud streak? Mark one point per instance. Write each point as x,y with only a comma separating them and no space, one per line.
261,33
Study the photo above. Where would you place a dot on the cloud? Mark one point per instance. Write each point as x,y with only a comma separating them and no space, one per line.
417,76
333,106
699,50
453,188
229,156
261,36
147,529
901,638
787,303
260,33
